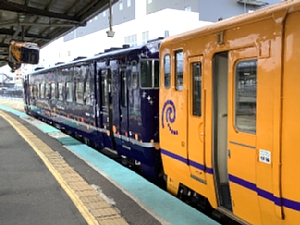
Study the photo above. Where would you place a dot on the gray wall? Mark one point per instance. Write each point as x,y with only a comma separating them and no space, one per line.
209,10
101,22
212,10
158,5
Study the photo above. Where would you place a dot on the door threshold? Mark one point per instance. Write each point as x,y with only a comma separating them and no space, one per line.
230,215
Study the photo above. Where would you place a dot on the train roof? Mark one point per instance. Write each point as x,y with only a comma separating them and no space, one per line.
287,6
152,46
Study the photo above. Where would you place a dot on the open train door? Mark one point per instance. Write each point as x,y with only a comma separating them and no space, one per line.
235,131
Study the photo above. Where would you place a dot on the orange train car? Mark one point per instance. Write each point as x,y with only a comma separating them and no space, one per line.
230,115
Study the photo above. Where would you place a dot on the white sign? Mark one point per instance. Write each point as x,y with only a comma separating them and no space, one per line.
264,156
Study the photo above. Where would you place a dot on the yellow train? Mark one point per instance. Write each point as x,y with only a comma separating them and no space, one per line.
230,115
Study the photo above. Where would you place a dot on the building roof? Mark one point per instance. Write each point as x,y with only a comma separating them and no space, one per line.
42,21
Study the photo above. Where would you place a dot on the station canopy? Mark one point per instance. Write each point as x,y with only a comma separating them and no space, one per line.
42,21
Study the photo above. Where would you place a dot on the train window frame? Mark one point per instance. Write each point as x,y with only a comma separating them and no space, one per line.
145,75
248,125
42,90
79,90
53,93
134,74
88,84
56,93
87,93
124,89
61,87
34,91
196,94
178,68
70,91
104,87
167,71
39,90
48,91
31,90
152,76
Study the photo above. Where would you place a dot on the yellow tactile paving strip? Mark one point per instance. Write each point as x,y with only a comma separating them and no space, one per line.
90,204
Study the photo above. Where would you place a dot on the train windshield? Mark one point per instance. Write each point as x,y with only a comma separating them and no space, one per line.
149,74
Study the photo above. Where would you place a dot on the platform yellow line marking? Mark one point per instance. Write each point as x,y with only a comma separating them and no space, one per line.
23,131
77,189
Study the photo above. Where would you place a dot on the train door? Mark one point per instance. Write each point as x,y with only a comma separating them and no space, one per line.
105,108
234,128
220,124
98,105
110,119
242,133
124,120
196,110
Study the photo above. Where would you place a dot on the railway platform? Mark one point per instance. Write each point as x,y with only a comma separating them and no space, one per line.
47,177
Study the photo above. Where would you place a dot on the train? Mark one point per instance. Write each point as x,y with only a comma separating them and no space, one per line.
110,100
214,110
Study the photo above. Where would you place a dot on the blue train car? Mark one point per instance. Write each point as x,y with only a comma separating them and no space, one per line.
110,100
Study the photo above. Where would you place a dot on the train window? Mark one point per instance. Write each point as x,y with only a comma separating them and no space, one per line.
42,90
79,92
149,74
53,90
56,91
104,88
146,74
60,91
134,75
167,71
34,91
196,88
48,91
39,90
69,91
245,95
124,89
87,93
31,88
179,70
